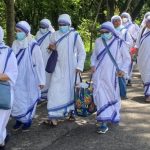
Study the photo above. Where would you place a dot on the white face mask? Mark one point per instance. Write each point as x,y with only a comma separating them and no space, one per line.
43,30
124,20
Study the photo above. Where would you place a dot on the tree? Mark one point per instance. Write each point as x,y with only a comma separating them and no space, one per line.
10,22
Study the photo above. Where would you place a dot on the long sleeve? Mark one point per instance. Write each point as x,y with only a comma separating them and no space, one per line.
125,59
81,54
94,55
39,65
12,69
129,40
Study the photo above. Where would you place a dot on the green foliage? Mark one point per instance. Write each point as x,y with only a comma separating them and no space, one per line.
2,15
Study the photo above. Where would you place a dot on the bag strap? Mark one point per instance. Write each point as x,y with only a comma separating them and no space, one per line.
75,39
110,55
76,78
7,58
33,45
59,40
43,37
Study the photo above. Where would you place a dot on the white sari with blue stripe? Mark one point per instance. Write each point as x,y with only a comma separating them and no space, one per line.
61,90
31,75
105,81
43,40
11,71
143,44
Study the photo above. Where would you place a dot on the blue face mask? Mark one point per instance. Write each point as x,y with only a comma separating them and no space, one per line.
107,36
43,30
64,29
118,28
20,36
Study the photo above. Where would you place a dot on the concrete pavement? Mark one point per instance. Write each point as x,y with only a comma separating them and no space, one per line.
133,132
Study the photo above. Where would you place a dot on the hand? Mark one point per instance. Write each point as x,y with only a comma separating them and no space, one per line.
41,86
120,73
93,69
78,71
52,47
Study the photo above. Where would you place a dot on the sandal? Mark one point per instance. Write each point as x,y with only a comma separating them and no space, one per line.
147,100
50,123
71,118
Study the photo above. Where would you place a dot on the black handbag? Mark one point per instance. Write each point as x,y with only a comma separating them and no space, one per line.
51,63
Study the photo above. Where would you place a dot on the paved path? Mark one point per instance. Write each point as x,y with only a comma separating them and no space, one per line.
133,132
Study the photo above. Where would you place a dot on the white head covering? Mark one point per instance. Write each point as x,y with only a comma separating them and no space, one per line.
64,19
127,15
144,20
47,24
109,26
23,26
1,35
116,17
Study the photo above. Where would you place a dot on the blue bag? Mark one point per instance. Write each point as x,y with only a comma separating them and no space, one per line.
121,80
5,90
84,103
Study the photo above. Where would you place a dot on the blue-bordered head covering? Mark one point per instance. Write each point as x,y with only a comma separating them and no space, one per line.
109,27
23,26
116,17
127,15
147,20
1,34
45,23
64,19
144,20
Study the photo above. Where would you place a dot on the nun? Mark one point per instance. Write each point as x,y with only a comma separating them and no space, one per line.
143,45
8,72
43,39
124,34
71,57
133,29
31,77
105,75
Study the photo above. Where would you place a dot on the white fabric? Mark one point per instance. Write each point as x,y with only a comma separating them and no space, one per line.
25,25
144,20
133,29
116,17
11,71
44,45
124,34
65,17
31,75
143,58
50,28
61,90
106,88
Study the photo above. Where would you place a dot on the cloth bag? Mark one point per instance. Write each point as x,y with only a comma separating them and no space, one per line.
121,80
83,96
5,90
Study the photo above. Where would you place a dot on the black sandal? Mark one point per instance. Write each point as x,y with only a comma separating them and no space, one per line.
49,123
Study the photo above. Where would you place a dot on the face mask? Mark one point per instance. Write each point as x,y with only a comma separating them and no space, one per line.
64,29
118,28
106,36
43,30
20,36
124,20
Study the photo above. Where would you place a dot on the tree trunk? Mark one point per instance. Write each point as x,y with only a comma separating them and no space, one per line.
10,21
137,9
